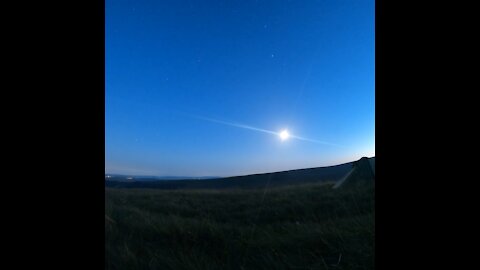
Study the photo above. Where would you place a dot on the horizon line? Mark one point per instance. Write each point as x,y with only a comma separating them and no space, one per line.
238,175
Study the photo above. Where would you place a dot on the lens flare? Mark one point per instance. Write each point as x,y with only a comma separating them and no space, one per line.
284,134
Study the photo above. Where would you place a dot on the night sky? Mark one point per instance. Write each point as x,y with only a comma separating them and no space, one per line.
203,88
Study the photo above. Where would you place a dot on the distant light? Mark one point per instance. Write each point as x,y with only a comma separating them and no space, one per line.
284,135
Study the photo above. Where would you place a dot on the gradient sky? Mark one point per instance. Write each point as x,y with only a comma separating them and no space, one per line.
184,78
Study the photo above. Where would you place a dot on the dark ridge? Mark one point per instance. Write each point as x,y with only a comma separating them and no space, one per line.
284,178
362,173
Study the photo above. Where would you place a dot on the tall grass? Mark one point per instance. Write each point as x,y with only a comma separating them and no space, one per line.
299,227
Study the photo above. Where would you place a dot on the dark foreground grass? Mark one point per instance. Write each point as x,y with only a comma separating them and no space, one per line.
300,227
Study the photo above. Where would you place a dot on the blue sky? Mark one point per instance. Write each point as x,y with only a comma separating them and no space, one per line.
184,78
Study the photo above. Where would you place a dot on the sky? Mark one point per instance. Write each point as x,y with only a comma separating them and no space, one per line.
203,88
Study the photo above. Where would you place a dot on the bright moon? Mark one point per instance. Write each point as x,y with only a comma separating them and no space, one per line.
284,135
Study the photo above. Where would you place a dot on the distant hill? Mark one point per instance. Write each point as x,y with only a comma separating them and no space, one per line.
284,178
136,178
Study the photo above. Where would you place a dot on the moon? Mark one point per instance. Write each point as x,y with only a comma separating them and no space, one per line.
284,135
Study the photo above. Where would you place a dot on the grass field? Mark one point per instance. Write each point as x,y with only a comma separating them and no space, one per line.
299,227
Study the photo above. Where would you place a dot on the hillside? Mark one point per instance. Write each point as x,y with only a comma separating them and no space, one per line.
309,226
276,179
